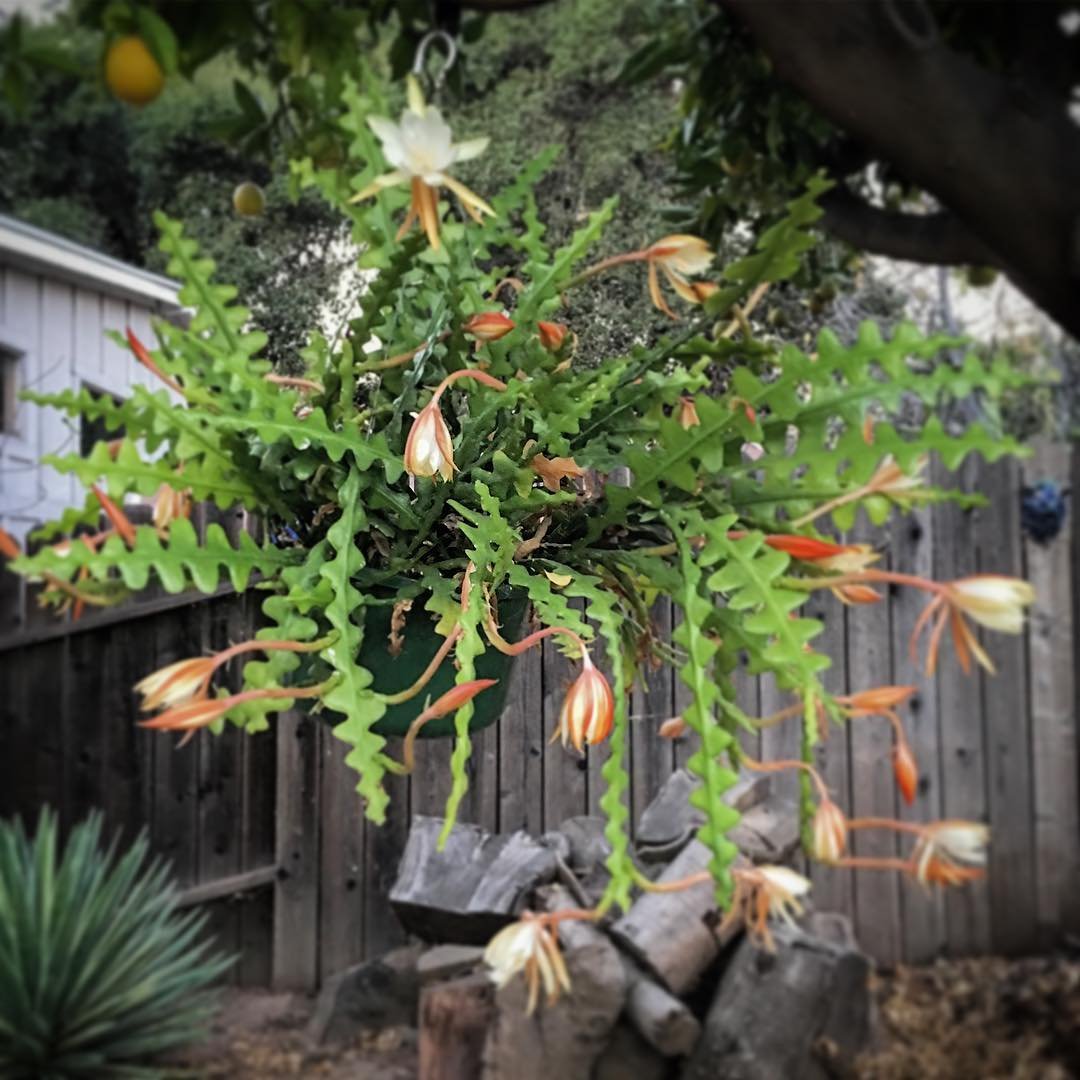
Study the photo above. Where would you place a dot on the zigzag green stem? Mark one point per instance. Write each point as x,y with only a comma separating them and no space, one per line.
353,696
173,231
469,647
715,739
613,802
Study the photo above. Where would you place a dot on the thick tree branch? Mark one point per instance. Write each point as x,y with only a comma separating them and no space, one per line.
923,238
1001,156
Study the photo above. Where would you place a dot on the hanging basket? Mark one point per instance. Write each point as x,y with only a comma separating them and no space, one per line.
394,673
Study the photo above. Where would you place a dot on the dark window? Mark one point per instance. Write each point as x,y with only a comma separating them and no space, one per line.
9,390
95,431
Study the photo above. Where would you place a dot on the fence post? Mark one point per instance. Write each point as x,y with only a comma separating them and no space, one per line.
296,894
1053,707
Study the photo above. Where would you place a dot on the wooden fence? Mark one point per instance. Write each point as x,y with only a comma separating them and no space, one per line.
267,830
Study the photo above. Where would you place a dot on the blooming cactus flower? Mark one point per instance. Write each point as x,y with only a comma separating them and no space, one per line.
420,149
588,710
429,450
993,600
176,684
762,893
530,947
680,257
945,848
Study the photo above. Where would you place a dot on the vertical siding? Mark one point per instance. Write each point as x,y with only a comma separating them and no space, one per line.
59,330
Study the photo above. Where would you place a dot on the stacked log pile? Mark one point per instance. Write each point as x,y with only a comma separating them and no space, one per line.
657,992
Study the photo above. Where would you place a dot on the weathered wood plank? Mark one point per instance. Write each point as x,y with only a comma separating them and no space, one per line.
174,831
1011,870
521,748
967,911
342,857
912,552
296,896
383,845
869,663
652,761
219,808
1053,687
833,889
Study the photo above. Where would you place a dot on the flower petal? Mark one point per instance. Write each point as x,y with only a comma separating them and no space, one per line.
470,148
389,179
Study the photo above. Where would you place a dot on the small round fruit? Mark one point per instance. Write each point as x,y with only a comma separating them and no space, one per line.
131,72
248,199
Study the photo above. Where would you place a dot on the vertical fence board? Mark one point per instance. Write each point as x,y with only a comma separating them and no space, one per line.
521,747
342,862
1011,875
383,846
175,784
912,551
219,808
963,762
296,894
1056,802
833,889
650,705
877,894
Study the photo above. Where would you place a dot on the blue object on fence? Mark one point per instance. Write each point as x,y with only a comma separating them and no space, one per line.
1042,511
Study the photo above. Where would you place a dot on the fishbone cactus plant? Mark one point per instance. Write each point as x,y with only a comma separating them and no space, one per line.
451,456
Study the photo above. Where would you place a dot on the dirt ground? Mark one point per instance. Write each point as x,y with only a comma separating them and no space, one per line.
259,1035
985,1019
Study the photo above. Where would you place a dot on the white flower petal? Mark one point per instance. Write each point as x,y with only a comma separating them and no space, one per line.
392,139
470,148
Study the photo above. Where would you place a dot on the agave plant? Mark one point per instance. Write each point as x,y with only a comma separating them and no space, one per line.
99,972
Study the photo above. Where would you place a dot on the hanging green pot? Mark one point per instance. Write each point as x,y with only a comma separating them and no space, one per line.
395,673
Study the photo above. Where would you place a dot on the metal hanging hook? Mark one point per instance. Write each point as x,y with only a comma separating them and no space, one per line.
448,43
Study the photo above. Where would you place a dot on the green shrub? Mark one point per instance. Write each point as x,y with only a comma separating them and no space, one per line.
98,970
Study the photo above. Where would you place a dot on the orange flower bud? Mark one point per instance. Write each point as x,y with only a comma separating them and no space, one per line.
9,546
428,449
192,716
878,699
906,771
117,516
457,696
673,728
806,548
488,325
588,711
829,832
552,335
148,362
688,416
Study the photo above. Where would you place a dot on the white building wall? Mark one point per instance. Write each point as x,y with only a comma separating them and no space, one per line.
57,329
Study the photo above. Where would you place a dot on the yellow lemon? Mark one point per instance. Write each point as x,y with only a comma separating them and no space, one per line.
248,199
131,72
